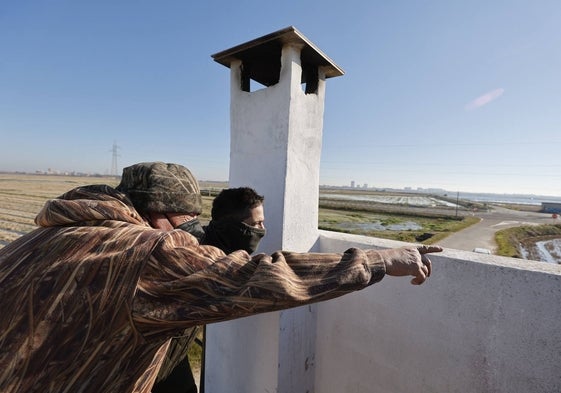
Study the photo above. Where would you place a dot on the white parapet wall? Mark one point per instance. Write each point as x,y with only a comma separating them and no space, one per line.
481,323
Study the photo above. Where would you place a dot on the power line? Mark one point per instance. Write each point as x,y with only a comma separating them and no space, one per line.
114,169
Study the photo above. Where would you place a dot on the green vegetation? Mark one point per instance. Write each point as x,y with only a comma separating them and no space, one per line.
509,239
429,228
195,352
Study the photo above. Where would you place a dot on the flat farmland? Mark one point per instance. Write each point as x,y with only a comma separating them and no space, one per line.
409,219
23,195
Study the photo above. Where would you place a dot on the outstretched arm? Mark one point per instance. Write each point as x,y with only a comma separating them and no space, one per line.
190,285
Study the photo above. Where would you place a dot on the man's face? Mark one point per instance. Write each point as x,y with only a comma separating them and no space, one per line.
177,219
256,218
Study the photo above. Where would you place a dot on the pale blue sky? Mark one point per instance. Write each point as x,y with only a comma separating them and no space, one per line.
460,95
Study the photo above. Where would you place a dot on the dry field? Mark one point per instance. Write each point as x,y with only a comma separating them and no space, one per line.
23,195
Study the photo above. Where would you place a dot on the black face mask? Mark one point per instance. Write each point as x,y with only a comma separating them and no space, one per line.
194,227
230,236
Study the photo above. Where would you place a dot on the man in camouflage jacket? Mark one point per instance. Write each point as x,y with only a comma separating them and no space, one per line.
90,299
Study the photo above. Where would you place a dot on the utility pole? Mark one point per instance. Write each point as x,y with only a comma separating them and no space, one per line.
114,159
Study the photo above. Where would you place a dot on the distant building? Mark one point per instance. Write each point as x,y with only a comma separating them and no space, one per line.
352,184
551,207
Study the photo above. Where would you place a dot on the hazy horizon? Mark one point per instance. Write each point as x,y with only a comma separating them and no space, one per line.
452,193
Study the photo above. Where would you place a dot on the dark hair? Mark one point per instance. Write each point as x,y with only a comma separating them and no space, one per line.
235,203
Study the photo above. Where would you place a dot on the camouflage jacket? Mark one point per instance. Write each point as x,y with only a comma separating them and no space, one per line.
90,299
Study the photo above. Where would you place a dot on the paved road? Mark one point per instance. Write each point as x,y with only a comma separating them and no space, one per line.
482,234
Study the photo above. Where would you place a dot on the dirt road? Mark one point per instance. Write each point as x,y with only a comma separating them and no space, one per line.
482,234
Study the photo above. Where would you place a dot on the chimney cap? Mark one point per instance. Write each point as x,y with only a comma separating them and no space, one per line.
261,56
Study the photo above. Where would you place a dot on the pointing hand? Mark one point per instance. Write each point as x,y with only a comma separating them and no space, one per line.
411,261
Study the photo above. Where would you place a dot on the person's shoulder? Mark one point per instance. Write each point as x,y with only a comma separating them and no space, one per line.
96,192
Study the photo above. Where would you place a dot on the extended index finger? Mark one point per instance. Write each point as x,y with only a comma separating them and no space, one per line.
429,249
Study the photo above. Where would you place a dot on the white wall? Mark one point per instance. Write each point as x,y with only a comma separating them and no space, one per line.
481,323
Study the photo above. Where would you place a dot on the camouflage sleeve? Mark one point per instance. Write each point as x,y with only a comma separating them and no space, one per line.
184,284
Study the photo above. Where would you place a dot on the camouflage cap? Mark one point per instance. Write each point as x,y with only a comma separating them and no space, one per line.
162,188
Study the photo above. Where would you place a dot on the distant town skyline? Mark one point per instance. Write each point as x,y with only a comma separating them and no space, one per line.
461,96
359,187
